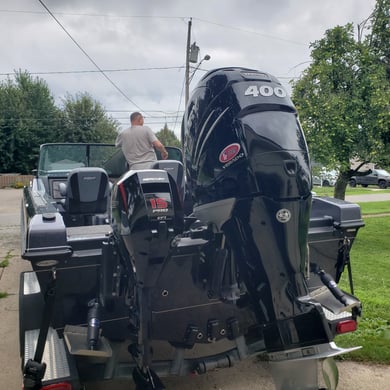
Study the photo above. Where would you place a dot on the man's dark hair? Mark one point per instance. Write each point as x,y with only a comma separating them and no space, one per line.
134,116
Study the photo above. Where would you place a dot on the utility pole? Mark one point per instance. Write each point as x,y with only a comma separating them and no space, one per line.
192,54
187,76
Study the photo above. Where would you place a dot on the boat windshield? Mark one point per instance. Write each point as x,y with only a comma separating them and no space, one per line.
62,158
58,159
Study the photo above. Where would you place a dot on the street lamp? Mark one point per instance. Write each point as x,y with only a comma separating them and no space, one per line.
205,58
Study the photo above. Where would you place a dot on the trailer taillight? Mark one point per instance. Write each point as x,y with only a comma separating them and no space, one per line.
346,326
58,386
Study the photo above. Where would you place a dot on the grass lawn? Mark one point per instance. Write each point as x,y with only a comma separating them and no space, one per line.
370,259
329,191
370,209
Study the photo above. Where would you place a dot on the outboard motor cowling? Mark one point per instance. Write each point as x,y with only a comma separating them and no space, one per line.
242,136
248,169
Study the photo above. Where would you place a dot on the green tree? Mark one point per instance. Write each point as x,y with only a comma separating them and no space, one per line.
84,120
28,118
342,99
378,42
168,137
379,39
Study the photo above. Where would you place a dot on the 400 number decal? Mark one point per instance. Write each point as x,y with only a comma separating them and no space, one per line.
265,90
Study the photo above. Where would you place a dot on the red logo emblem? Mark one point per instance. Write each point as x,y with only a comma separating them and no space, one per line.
229,153
158,203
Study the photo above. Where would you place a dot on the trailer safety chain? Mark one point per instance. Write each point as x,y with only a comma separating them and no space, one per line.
347,244
343,260
34,370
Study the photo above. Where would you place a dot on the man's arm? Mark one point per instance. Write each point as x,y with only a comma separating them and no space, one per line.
118,141
161,148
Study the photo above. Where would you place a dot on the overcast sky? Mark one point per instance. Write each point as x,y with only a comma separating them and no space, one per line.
141,45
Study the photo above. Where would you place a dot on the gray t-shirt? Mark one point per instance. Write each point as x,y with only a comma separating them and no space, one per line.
137,146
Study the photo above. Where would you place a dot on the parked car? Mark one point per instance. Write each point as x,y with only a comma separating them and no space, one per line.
325,178
378,177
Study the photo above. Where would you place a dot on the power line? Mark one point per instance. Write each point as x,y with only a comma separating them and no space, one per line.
99,71
125,70
164,119
172,115
170,118
147,114
150,123
163,113
250,32
268,36
79,120
89,57
97,15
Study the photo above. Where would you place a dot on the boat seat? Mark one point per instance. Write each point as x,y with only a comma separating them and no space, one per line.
86,194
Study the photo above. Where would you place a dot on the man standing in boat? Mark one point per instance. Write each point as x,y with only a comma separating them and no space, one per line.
138,143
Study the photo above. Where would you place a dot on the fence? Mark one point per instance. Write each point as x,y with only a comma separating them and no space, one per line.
14,180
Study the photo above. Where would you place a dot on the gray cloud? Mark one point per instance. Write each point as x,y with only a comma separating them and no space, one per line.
271,36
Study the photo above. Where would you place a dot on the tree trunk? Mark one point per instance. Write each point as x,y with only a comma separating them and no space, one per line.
341,185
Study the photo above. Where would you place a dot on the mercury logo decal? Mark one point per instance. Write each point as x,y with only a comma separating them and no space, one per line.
229,153
283,215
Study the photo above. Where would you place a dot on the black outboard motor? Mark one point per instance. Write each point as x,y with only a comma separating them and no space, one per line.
248,169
